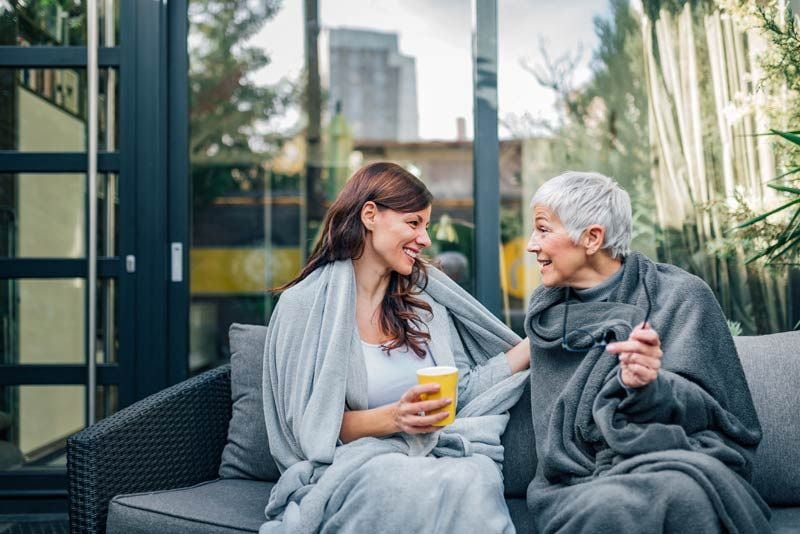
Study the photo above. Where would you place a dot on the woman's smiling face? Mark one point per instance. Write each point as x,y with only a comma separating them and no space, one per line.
397,238
560,260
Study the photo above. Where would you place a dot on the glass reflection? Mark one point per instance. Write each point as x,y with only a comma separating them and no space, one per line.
35,422
46,110
277,127
663,98
55,23
43,215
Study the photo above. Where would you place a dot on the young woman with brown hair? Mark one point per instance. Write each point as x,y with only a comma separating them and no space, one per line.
343,346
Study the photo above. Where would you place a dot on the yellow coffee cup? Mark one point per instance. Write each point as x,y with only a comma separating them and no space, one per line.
447,378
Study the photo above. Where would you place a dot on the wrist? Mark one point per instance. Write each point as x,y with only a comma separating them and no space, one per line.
390,418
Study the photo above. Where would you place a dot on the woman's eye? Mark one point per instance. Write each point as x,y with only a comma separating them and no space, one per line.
413,224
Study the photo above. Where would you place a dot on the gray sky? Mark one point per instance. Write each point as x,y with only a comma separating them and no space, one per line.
438,34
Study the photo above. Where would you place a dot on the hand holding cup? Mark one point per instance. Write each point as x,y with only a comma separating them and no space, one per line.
414,414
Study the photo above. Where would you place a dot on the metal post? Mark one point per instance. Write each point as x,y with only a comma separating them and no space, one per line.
92,45
486,156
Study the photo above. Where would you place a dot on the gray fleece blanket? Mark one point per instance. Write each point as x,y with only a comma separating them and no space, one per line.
673,456
449,480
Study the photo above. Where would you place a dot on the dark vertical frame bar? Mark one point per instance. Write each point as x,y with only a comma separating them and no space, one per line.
150,179
486,157
179,186
126,143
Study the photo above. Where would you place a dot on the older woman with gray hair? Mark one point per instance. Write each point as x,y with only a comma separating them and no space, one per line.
642,416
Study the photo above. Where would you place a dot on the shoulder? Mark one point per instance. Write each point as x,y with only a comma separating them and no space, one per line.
299,298
677,279
683,288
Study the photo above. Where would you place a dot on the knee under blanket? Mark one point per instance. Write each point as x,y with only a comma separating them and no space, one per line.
675,455
314,368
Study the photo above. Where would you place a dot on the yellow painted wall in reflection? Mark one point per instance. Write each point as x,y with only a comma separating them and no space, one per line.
224,271
518,277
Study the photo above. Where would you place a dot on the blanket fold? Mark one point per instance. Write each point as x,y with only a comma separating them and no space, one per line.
314,369
609,454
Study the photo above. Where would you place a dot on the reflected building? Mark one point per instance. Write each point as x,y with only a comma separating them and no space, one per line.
375,84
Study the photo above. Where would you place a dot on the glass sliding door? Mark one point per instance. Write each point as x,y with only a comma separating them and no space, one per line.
45,236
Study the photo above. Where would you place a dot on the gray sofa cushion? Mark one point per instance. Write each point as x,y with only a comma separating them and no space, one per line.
215,507
785,521
246,455
772,366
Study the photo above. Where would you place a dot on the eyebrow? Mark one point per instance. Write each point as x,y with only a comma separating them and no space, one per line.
541,217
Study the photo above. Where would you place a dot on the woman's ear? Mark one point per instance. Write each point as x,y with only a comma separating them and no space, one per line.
368,212
594,238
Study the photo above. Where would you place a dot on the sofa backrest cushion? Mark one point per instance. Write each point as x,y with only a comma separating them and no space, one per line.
246,454
772,366
519,462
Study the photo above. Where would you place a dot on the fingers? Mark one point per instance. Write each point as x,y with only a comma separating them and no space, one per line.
651,362
428,406
647,336
418,424
413,393
413,416
634,345
635,375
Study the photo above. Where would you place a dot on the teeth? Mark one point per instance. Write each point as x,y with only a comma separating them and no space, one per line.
410,253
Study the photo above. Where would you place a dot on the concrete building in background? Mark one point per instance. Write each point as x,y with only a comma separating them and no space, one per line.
375,84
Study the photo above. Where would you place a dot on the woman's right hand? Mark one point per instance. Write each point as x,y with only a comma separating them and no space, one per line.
407,410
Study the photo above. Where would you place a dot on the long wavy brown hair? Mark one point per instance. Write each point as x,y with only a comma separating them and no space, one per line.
392,187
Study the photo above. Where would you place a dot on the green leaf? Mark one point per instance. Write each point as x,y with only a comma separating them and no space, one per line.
767,214
792,137
793,228
773,133
785,188
778,253
784,175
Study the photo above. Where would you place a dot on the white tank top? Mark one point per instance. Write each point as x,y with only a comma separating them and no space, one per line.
389,375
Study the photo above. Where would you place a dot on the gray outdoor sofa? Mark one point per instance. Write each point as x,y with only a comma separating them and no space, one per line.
194,458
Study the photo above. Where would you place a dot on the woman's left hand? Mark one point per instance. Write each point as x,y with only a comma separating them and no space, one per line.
639,356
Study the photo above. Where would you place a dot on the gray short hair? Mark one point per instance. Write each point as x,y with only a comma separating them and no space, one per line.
581,199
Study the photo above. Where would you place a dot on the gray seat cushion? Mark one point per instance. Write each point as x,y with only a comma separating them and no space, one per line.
772,367
785,521
218,506
246,454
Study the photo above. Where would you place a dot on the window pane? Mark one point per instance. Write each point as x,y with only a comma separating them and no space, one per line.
43,215
45,110
397,87
35,422
43,321
62,23
666,100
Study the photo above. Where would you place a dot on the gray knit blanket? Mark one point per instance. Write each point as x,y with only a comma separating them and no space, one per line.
673,456
314,369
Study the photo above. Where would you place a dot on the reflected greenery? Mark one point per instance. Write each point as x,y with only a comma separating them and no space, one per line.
670,113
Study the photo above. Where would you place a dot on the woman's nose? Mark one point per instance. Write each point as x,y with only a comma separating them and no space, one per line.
424,239
533,246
